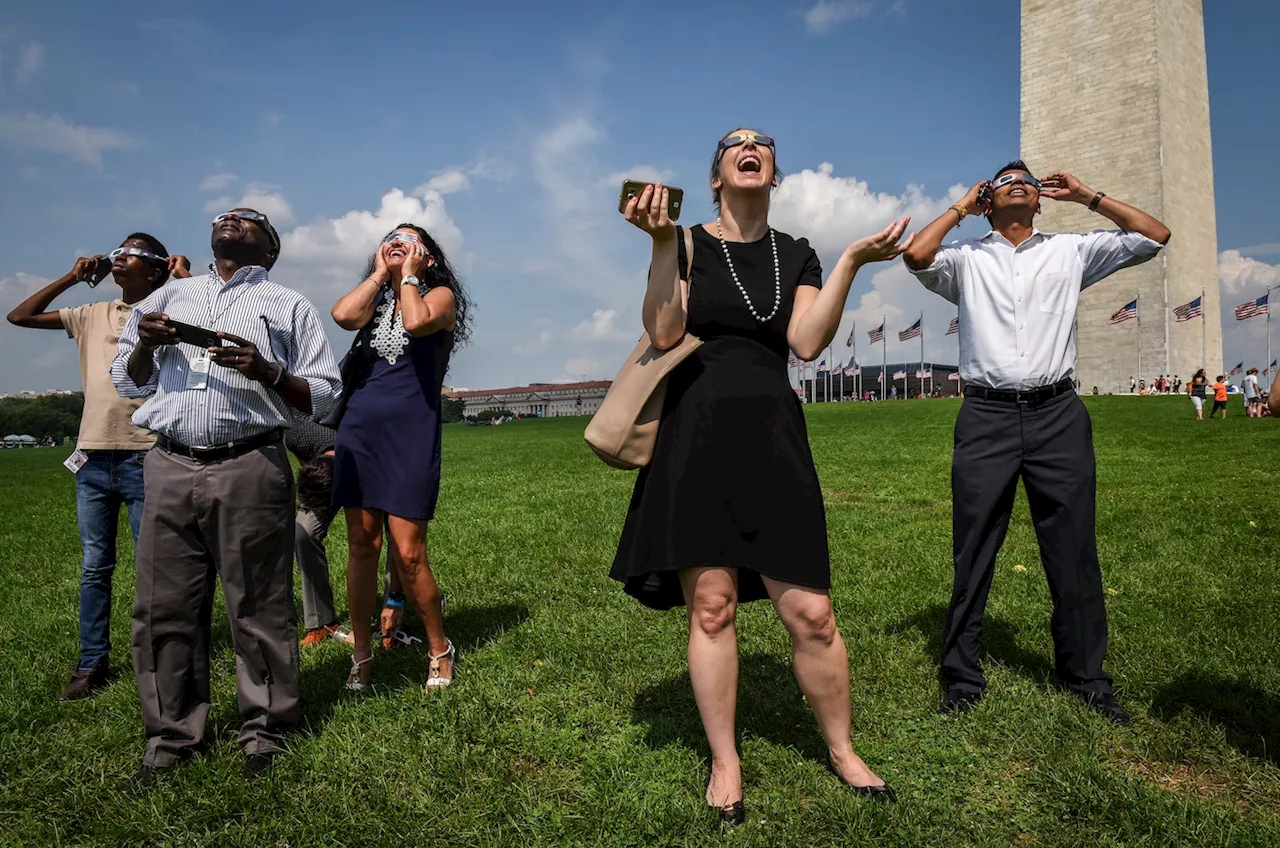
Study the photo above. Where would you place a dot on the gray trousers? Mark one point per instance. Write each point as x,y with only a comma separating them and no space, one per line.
310,532
230,520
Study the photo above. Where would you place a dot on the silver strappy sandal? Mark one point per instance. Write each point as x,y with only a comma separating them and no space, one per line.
435,681
353,679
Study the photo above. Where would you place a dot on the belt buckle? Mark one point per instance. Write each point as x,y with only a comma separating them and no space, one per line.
1023,396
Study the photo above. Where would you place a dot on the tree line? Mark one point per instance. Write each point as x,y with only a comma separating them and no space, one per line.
53,417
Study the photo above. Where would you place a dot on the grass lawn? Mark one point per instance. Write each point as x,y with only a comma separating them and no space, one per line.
572,721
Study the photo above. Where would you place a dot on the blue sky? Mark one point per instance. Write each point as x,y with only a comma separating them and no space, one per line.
506,128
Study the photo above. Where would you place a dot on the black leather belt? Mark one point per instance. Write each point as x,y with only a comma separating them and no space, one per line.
217,453
1028,396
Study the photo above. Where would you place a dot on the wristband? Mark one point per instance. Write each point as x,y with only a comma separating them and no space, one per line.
393,602
1097,198
961,210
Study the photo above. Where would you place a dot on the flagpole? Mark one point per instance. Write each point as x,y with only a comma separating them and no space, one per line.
1268,328
921,351
884,357
857,372
830,365
1138,309
1203,349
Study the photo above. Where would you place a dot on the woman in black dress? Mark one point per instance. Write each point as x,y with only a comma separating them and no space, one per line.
730,510
387,453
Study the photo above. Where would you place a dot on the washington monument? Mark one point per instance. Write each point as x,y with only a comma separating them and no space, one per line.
1117,94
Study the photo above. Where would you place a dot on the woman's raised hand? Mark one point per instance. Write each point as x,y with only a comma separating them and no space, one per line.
381,273
882,245
648,211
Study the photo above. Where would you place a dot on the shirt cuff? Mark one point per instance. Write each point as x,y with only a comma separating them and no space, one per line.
322,397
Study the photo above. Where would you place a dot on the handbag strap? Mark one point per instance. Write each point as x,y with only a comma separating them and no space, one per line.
687,234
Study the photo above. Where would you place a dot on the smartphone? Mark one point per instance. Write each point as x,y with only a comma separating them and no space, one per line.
198,336
98,272
984,195
633,188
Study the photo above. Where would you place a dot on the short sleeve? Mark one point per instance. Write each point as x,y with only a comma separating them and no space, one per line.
811,273
74,319
1103,252
942,276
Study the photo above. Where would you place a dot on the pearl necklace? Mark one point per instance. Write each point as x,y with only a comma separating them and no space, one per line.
777,276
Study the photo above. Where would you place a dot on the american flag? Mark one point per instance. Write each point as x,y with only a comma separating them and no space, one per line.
1124,313
928,372
1188,311
877,335
919,374
1236,370
849,341
899,375
822,364
954,376
837,371
912,332
1252,308
791,359
853,367
954,326
1270,368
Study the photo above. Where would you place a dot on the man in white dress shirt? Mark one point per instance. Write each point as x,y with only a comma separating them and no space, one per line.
1017,290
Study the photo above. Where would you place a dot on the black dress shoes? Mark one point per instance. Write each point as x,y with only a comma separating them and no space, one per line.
142,779
256,765
959,701
1108,706
733,815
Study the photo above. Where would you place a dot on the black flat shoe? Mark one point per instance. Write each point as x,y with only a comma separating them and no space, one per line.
141,780
1108,706
882,794
958,701
735,815
256,765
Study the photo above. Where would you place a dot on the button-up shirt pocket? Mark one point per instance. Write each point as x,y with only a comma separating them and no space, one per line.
1054,292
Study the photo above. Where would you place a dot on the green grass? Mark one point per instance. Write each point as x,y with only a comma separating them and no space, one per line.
572,721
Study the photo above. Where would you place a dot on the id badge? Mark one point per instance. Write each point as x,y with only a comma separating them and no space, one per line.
198,372
76,461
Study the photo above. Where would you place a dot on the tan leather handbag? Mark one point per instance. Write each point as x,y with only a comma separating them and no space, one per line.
624,429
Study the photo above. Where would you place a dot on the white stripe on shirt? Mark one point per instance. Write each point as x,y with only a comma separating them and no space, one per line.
233,407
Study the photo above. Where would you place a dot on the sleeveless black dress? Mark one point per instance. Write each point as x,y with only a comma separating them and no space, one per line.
732,481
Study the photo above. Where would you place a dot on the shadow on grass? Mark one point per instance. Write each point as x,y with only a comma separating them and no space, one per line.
470,628
1248,714
770,707
999,642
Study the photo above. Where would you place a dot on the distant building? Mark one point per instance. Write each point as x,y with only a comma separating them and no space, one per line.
549,400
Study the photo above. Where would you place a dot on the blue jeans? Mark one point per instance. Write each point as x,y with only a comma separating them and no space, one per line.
107,480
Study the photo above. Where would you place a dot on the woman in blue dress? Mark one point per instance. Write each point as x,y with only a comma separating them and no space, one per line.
411,312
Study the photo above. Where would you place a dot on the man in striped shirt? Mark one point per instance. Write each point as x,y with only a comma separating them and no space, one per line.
219,487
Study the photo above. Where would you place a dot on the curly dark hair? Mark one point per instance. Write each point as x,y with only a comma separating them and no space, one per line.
440,273
1015,165
315,484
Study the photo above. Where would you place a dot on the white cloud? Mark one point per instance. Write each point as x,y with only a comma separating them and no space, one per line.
581,368
602,327
1267,249
829,13
30,64
53,132
20,286
834,211
327,256
264,197
218,182
1238,274
449,181
535,347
